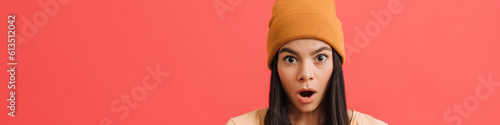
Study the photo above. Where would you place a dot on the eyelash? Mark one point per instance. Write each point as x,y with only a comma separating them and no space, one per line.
287,57
326,57
315,59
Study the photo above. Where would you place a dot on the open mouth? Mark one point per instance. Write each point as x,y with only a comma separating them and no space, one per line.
306,95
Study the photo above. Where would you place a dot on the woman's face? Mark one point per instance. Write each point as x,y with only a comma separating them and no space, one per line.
304,67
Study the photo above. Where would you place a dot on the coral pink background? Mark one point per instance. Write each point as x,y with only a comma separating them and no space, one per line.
410,69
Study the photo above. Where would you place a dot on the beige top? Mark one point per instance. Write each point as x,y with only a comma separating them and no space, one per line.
256,117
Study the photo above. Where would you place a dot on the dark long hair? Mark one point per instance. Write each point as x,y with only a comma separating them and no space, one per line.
334,99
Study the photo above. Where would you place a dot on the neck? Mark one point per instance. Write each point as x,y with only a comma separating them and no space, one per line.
297,117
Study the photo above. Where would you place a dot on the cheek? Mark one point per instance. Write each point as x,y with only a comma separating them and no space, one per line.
324,76
286,73
287,77
327,70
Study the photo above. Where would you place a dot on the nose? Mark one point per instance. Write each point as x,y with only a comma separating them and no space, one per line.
306,72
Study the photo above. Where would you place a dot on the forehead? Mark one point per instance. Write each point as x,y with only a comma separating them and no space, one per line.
305,45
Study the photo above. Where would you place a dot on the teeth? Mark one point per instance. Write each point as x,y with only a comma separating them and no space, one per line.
306,93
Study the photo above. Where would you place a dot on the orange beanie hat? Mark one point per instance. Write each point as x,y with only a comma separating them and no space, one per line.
301,19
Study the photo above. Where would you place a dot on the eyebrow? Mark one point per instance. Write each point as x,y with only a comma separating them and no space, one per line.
296,53
321,49
289,51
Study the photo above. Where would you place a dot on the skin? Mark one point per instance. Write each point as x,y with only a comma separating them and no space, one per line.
305,63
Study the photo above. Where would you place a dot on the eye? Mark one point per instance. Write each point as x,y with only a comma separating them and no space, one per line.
290,59
320,58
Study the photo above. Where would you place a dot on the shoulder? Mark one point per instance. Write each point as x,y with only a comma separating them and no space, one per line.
358,118
255,117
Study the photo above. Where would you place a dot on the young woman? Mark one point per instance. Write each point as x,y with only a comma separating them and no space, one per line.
305,55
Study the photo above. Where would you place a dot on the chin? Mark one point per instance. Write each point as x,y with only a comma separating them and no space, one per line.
307,107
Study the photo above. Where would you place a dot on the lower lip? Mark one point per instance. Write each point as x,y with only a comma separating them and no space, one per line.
306,100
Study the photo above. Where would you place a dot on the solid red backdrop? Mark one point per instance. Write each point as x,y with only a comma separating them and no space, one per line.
410,62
